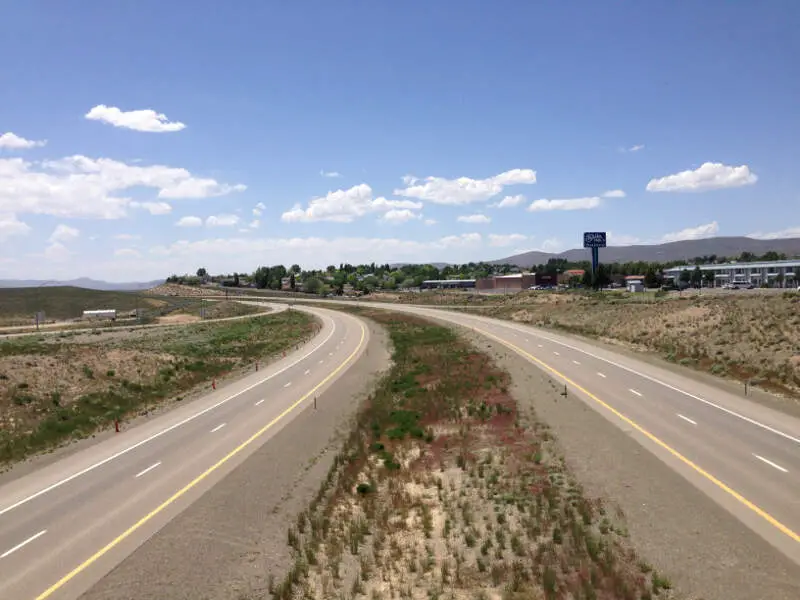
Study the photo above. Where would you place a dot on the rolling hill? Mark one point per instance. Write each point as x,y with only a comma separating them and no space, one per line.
82,282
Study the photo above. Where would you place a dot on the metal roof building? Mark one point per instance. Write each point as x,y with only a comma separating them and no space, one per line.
745,272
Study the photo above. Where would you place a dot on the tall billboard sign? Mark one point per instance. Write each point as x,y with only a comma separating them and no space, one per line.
594,240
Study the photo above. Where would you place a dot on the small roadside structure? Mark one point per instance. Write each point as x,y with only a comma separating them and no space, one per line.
634,283
104,314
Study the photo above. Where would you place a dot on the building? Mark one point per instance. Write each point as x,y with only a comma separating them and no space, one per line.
571,276
775,273
447,284
507,283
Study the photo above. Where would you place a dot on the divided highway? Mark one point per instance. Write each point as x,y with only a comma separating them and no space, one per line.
64,526
743,455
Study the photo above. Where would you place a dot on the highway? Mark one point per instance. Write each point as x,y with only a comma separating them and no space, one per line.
745,456
65,525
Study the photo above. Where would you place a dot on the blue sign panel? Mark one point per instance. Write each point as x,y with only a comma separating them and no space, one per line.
594,239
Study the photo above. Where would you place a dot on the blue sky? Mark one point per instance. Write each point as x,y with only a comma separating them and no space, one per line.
689,109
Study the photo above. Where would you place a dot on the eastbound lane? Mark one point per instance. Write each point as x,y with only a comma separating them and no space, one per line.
743,455
66,525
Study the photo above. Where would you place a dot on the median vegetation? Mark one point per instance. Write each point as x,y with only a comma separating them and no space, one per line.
61,387
443,490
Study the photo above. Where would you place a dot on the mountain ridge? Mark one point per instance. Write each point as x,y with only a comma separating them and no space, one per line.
82,282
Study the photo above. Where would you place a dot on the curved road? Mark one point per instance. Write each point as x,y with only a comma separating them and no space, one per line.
745,456
64,526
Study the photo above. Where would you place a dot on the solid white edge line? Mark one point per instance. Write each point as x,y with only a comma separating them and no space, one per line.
147,470
217,428
687,419
25,543
671,387
116,455
260,401
633,391
771,464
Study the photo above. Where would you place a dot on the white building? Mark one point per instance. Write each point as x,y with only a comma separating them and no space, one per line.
106,313
775,273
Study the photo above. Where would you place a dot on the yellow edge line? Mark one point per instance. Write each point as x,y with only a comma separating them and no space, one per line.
116,541
759,511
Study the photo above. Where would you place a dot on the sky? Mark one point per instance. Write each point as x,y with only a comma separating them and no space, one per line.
141,139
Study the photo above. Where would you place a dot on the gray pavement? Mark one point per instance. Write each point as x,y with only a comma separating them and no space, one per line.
64,526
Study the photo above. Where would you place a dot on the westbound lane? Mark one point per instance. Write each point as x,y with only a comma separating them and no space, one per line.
743,455
66,525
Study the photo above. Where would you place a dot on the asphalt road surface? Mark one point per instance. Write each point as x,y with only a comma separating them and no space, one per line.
743,455
64,526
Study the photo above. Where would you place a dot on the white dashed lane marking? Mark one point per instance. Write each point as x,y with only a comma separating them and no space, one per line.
287,384
22,544
576,362
601,375
217,428
687,419
260,401
147,470
307,371
771,464
633,391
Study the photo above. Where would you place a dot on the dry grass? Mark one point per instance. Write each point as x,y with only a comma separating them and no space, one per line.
53,388
745,336
443,491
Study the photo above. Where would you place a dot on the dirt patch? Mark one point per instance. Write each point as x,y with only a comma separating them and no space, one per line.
179,319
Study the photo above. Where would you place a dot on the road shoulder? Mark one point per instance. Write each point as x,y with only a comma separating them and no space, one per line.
228,543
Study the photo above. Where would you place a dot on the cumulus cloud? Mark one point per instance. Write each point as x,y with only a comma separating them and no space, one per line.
708,176
78,186
474,219
463,190
189,222
128,252
692,233
64,233
11,226
12,141
791,232
565,204
254,224
501,240
154,208
614,194
344,206
127,236
509,201
400,215
138,120
430,222
332,174
57,252
258,210
222,221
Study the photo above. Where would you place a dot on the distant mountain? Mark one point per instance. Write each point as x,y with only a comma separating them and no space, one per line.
82,282
673,251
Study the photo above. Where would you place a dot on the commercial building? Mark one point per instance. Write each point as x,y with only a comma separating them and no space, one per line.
106,313
507,283
775,273
447,284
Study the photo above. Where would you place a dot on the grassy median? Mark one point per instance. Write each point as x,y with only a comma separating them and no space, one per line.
444,491
56,388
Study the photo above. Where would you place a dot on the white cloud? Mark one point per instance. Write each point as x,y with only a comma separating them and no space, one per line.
709,176
400,215
154,208
410,180
509,201
501,240
614,194
259,209
430,222
189,222
636,148
64,233
791,232
621,239
12,141
474,219
565,204
57,252
10,225
222,221
463,190
254,224
77,186
692,233
127,236
138,120
127,252
330,173
343,206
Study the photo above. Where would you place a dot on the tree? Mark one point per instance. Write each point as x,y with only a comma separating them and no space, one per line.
709,278
292,282
295,269
261,277
686,277
202,273
697,277
651,278
313,286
